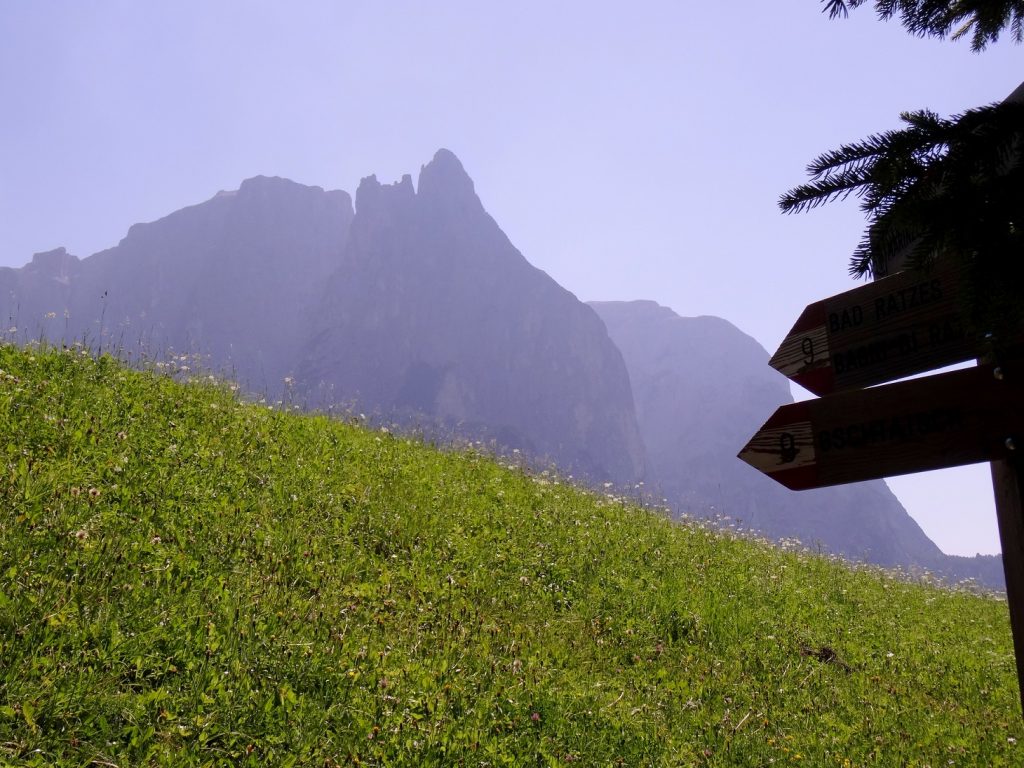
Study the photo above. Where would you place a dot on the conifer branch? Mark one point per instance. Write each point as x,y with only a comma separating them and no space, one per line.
983,20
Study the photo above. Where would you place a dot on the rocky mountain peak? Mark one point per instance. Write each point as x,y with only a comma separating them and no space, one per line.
273,191
267,184
420,311
373,199
57,265
444,183
55,261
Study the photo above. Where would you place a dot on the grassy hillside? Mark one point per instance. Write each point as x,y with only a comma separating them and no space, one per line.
189,580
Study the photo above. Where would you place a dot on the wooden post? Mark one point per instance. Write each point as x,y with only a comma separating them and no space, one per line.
1007,478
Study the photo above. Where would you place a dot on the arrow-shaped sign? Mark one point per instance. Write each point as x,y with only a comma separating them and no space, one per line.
939,421
897,326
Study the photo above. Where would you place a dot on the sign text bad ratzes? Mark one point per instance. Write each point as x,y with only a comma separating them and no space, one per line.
886,330
884,307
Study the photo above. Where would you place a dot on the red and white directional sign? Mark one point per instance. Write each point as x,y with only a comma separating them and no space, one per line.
939,421
885,330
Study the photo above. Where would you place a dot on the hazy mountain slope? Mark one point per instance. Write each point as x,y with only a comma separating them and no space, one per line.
702,387
232,278
433,311
419,309
31,294
426,313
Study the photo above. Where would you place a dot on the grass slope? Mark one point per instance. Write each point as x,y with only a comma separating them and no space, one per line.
189,580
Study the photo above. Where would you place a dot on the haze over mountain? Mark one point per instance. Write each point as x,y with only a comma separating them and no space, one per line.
233,278
702,387
416,308
433,311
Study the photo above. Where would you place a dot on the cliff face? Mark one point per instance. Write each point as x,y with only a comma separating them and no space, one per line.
433,311
702,388
415,307
418,309
231,278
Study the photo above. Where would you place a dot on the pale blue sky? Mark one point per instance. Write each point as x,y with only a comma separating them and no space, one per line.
631,150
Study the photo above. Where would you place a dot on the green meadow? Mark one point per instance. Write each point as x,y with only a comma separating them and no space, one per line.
188,579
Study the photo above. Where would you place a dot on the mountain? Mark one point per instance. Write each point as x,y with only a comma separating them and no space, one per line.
434,311
701,388
231,278
415,307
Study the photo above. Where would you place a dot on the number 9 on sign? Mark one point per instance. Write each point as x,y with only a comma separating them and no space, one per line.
787,446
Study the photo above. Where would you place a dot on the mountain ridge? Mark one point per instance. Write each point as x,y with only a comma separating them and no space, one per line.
411,303
703,376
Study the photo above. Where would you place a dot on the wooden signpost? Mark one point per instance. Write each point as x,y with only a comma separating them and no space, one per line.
907,323
894,327
961,417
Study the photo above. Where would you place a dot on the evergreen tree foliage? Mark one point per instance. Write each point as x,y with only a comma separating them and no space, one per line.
938,188
982,20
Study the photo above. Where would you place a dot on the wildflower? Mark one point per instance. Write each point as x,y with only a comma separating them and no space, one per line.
94,493
535,717
81,534
76,491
